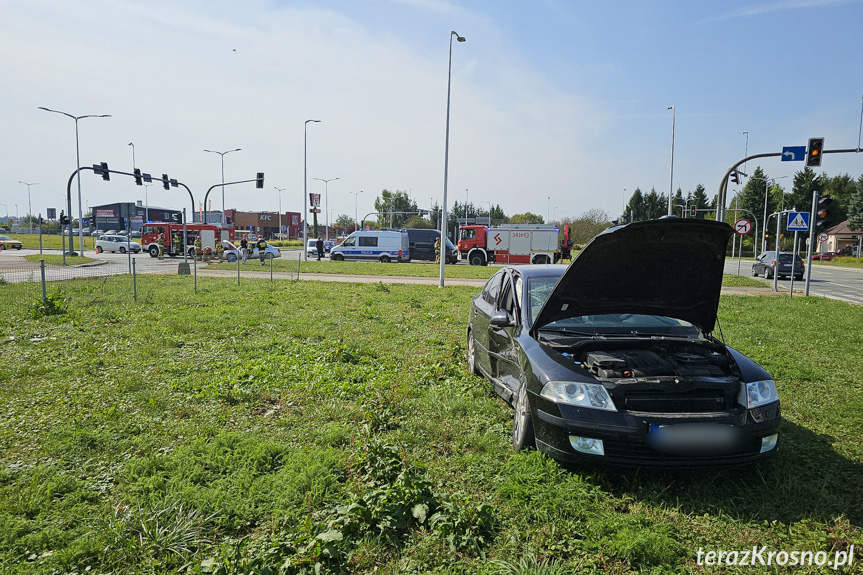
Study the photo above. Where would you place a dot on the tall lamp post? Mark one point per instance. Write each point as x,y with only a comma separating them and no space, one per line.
356,221
77,166
147,202
446,154
29,203
327,201
222,154
306,187
671,181
280,190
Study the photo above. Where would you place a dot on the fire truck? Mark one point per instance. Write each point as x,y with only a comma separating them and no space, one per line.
509,244
173,234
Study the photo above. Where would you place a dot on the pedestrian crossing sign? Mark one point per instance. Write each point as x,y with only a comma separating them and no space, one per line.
798,222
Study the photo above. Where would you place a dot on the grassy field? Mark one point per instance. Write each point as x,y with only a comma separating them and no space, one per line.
57,259
273,430
50,242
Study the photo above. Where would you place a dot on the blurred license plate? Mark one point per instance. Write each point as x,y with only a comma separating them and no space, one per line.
694,438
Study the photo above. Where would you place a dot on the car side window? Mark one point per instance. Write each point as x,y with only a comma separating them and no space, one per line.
506,298
349,242
492,288
368,241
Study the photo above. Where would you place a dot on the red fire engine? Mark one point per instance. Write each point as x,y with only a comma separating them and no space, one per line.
173,235
509,244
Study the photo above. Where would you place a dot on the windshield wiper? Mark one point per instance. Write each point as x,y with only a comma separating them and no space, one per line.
564,331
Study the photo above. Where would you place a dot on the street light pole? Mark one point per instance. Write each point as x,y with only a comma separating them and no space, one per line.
147,202
356,221
280,190
327,201
466,197
29,203
446,155
222,154
671,182
306,187
77,166
548,213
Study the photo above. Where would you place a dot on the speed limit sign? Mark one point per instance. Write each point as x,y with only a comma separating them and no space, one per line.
822,237
742,226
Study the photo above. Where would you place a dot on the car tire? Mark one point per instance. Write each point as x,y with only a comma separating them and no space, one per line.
754,272
765,274
98,249
540,260
154,251
268,256
122,250
19,247
477,259
522,423
798,278
471,354
337,258
385,259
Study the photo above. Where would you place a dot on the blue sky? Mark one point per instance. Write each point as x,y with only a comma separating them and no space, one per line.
550,99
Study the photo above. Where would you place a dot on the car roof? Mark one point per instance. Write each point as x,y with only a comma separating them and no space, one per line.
529,271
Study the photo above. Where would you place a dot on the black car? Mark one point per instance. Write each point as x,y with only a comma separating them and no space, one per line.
789,264
612,359
422,241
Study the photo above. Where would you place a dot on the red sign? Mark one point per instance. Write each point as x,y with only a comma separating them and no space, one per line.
742,227
497,239
104,213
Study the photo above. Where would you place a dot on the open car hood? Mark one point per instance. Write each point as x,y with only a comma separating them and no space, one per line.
669,267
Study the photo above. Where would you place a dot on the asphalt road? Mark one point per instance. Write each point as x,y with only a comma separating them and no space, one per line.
827,281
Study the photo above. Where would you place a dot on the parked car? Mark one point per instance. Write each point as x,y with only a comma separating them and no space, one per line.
232,252
311,250
613,359
422,245
824,256
7,243
116,243
96,233
373,245
789,264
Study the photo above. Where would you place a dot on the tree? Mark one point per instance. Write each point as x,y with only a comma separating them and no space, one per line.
497,215
526,218
389,203
346,223
656,205
586,226
855,207
751,197
635,209
419,222
677,202
698,198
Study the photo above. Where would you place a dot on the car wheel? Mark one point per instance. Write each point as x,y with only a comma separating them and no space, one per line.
477,259
337,258
268,256
471,354
154,251
540,260
522,423
798,278
754,272
98,249
765,274
122,250
385,259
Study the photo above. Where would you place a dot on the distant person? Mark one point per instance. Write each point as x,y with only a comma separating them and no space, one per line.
161,243
437,250
244,249
319,245
262,248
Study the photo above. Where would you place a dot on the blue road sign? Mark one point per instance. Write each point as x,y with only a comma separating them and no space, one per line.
793,153
798,222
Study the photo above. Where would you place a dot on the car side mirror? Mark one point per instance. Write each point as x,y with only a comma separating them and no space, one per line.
501,319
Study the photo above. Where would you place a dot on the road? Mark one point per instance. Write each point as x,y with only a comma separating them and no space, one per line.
827,281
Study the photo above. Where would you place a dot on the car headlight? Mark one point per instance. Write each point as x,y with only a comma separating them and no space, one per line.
591,395
757,393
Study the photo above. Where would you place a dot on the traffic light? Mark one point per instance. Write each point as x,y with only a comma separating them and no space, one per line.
165,183
735,177
825,202
693,212
260,183
106,175
139,181
814,151
64,220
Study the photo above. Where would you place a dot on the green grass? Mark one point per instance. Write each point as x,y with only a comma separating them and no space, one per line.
845,262
57,260
302,423
731,280
53,242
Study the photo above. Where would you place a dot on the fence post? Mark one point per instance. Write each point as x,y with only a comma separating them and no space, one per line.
271,269
195,265
44,294
238,265
299,259
134,281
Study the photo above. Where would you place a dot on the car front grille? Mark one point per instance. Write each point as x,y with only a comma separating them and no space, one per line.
641,454
706,401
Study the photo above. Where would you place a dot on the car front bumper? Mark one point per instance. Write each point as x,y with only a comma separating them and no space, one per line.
625,436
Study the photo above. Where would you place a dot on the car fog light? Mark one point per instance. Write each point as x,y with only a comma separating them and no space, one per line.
587,445
769,443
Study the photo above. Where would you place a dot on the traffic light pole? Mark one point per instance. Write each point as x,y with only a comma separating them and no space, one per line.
811,241
723,184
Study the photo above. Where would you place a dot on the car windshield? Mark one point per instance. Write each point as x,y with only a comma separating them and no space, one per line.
6,239
540,288
449,244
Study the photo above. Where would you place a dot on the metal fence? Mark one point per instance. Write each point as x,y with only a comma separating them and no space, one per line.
26,283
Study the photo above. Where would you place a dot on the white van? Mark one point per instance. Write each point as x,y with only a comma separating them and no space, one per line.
370,245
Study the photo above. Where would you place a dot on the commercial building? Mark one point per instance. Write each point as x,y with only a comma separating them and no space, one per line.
113,216
266,223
